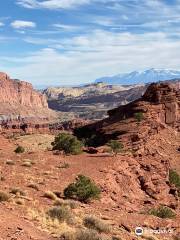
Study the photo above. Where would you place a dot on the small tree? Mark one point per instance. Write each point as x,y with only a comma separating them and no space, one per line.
67,143
115,146
83,189
139,116
19,149
174,178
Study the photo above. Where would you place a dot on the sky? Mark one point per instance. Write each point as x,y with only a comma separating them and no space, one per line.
69,42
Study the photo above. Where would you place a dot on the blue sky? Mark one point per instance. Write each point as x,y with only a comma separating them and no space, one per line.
61,42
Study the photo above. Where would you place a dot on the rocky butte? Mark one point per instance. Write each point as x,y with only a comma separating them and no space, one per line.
157,109
18,99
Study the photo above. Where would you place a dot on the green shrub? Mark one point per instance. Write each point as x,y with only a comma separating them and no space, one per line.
67,143
139,116
115,146
96,224
162,212
83,189
62,213
19,149
92,141
174,178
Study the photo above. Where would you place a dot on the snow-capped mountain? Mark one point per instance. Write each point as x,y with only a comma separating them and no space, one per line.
139,77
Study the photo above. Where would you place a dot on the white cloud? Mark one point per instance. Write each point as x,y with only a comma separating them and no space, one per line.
151,39
87,57
66,27
51,4
18,24
125,17
1,24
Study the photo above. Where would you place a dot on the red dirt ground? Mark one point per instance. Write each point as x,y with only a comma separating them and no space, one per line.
15,221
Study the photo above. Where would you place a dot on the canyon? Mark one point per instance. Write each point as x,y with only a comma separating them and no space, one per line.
133,183
94,100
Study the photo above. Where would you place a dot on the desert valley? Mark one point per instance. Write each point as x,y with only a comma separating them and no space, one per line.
93,162
89,120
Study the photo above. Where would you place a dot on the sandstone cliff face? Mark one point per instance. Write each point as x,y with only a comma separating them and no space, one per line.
168,98
160,105
19,92
150,148
160,109
18,100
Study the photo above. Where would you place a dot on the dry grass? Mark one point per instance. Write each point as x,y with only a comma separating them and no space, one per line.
18,192
36,142
67,224
19,201
62,214
4,197
27,164
70,203
50,195
87,234
51,225
97,224
33,186
63,165
10,162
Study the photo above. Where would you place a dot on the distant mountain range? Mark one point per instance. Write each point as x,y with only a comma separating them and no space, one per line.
138,77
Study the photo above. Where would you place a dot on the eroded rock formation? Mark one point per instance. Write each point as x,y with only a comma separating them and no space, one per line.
20,92
148,128
19,99
159,108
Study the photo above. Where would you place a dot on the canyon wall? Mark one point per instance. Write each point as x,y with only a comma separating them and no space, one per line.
20,92
18,99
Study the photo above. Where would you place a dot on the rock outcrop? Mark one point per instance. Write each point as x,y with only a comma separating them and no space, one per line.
28,125
149,129
158,108
20,92
18,98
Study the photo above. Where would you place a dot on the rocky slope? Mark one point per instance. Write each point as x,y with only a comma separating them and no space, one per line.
132,183
19,99
94,100
130,188
158,109
149,129
85,90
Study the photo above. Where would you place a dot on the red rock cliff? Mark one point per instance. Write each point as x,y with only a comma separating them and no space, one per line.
20,92
18,98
